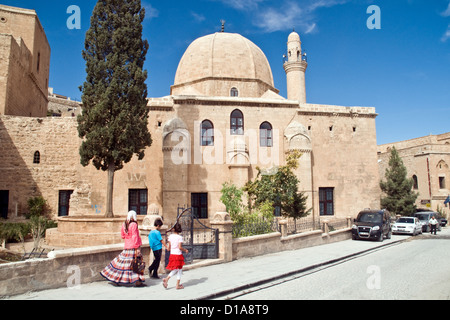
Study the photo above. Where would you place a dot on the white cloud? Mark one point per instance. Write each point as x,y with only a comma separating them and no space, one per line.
243,4
292,15
311,28
274,19
446,35
150,12
198,17
285,15
446,13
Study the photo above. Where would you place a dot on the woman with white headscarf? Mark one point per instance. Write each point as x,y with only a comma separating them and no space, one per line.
119,271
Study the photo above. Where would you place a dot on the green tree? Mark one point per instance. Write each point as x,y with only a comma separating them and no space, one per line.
399,199
281,189
114,121
37,206
232,199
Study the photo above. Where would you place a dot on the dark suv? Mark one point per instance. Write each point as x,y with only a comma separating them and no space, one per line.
372,224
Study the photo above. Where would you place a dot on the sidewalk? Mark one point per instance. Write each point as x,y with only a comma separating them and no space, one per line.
220,280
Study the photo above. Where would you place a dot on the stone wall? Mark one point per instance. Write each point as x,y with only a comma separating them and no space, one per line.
58,167
25,62
65,268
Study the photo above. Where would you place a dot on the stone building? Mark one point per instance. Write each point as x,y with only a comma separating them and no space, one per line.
427,161
24,63
223,119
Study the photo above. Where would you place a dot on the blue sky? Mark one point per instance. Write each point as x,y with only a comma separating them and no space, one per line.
402,69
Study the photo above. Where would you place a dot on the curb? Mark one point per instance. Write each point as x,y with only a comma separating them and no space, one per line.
295,272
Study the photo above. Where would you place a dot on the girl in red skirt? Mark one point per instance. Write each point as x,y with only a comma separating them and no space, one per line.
176,259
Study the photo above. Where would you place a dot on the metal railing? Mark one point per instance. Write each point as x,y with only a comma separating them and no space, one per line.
255,227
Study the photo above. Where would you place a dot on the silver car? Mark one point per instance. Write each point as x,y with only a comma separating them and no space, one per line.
424,218
407,225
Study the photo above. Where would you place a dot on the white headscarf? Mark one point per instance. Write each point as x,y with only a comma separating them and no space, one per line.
132,216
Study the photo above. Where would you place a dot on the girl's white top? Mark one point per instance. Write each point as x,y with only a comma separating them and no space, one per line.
175,240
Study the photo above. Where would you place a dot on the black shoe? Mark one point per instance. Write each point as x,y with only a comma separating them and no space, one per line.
139,284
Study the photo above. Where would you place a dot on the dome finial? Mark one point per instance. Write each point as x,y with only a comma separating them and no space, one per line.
223,25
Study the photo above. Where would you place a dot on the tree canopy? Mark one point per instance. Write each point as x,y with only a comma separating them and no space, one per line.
113,124
399,197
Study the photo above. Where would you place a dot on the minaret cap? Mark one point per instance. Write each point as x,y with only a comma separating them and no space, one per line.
294,37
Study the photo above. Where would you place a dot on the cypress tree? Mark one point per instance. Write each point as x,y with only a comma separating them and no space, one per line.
399,199
114,121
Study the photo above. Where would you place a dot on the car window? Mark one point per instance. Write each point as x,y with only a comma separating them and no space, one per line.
370,217
423,217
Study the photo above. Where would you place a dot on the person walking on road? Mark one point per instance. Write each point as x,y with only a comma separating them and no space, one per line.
433,224
156,242
176,259
119,271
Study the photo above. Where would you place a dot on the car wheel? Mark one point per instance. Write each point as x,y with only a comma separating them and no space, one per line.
381,238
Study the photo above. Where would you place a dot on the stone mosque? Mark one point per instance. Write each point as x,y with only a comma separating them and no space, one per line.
223,119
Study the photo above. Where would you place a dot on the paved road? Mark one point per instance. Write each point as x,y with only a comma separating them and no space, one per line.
416,269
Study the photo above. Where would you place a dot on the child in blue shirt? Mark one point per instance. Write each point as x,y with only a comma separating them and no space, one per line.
156,242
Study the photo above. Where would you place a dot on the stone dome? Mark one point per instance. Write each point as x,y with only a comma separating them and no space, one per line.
214,64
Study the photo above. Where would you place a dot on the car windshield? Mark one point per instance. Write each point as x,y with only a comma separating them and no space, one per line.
370,217
423,216
406,220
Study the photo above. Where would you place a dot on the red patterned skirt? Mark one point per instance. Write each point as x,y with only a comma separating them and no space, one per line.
176,261
119,270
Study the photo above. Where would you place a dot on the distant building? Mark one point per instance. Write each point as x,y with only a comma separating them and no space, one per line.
62,106
427,160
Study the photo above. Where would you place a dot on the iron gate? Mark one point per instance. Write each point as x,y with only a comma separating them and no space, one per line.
201,241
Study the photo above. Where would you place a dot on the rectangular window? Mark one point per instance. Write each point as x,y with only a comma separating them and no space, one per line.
441,182
199,202
326,201
63,202
4,203
138,201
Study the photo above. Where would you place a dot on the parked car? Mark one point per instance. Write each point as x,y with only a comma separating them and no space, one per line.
424,218
372,224
407,225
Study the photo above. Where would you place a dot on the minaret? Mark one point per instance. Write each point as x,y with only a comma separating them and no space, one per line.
295,68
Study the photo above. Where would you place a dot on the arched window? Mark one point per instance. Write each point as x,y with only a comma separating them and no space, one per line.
37,157
237,122
207,133
265,135
234,92
415,182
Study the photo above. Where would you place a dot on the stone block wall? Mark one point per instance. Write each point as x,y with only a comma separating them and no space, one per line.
61,268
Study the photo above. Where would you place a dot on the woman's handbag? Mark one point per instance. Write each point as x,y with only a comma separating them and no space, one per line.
138,265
